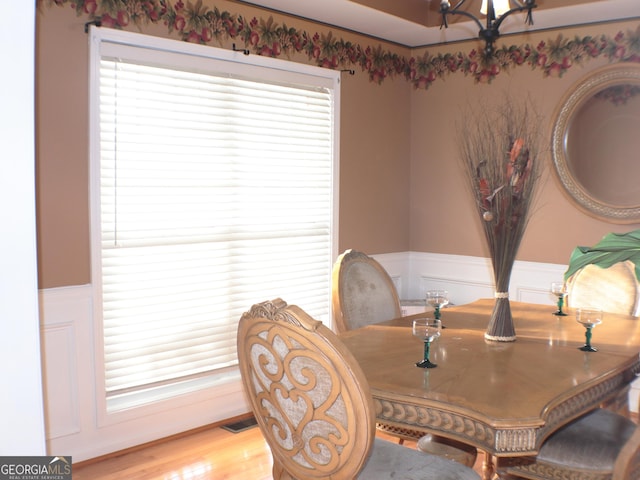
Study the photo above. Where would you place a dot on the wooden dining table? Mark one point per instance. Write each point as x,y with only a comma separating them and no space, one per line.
504,398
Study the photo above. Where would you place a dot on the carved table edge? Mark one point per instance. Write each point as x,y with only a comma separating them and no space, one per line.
496,440
510,441
589,399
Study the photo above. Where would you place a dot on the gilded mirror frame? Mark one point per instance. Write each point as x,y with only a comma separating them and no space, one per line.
612,75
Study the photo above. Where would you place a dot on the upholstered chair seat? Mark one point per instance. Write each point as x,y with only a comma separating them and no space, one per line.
392,461
314,407
588,448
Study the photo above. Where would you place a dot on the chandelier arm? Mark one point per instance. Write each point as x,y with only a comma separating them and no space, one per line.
529,19
459,4
464,14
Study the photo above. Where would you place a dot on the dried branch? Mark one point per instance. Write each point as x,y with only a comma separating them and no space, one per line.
500,150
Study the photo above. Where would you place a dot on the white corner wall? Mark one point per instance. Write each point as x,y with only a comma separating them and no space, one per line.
21,405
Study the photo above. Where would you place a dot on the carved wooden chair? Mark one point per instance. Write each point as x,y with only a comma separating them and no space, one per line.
614,289
362,294
314,407
600,445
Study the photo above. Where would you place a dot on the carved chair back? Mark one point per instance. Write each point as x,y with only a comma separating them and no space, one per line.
362,292
614,289
310,397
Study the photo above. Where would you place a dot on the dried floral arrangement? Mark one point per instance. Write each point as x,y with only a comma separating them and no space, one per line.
500,151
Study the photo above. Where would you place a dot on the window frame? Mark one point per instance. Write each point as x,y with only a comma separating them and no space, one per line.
228,381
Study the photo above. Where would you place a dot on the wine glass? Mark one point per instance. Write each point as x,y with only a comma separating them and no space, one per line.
589,317
437,299
427,330
559,289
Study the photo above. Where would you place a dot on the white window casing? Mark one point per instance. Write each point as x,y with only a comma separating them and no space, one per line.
213,187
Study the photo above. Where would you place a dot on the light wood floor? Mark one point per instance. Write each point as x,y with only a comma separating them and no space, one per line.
206,454
210,454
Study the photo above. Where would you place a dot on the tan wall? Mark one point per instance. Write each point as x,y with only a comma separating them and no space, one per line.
374,172
62,144
374,194
398,155
437,182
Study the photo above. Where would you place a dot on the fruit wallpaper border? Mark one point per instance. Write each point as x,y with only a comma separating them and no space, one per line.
198,23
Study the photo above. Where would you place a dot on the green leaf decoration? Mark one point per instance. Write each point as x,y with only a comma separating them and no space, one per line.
613,248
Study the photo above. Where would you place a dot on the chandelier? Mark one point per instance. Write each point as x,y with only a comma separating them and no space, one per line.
495,10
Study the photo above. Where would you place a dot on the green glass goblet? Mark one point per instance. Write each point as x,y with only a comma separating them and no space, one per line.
589,317
427,330
437,299
559,289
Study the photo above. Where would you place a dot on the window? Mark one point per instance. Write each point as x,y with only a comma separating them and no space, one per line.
212,190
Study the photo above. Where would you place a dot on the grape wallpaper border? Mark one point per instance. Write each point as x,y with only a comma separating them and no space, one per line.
198,23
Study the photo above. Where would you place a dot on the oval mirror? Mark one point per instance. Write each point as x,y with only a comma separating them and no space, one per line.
596,143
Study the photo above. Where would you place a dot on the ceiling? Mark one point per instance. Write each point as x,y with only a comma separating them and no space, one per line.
416,23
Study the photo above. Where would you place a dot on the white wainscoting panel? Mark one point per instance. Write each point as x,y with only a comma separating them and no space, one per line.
60,374
71,393
467,278
69,355
65,313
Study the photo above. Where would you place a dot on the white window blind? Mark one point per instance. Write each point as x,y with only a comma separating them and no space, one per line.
215,193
